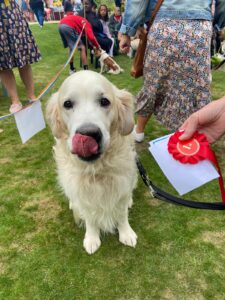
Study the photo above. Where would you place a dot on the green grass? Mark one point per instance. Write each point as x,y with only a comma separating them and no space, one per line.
180,251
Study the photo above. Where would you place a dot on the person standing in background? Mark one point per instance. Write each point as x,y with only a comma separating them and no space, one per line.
17,49
87,13
103,16
77,6
218,25
68,7
26,11
115,22
37,7
69,28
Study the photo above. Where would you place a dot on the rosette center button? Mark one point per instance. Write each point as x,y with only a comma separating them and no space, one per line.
189,148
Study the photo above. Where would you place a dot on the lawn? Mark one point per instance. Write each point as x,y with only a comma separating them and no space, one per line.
180,251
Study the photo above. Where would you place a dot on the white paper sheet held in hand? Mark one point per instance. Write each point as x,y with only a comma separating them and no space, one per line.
183,177
30,121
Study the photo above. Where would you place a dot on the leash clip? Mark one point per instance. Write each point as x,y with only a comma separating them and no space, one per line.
152,191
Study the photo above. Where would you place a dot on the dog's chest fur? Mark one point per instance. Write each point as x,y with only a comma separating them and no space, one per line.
98,191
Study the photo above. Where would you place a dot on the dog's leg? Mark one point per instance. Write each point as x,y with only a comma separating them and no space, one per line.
130,203
126,234
91,241
76,217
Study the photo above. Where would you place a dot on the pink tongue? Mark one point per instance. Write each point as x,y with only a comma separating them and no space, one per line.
84,145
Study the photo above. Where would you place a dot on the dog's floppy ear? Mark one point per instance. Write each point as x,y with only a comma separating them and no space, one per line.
54,118
125,110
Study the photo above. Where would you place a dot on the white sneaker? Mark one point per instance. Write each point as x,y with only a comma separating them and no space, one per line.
71,72
138,137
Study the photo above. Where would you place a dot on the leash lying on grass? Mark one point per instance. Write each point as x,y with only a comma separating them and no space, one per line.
161,195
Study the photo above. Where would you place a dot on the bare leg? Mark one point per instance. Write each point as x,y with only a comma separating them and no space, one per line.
9,81
83,55
70,50
27,78
141,123
72,68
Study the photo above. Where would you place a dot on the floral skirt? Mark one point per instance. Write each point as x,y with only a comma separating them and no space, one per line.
17,45
176,71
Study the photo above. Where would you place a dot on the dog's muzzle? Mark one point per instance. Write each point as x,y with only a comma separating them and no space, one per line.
86,142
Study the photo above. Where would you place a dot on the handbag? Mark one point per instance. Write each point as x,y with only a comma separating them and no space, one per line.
138,61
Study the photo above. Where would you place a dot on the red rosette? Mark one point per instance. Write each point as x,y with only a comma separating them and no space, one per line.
194,150
190,151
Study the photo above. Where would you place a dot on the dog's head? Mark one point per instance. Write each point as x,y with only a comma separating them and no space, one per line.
86,111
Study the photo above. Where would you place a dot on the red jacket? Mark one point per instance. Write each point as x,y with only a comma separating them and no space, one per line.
77,22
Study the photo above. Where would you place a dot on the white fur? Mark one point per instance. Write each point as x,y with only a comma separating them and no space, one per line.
99,192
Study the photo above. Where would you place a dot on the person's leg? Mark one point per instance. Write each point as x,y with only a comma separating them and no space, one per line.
112,47
138,131
72,68
40,16
35,13
9,82
83,56
141,123
116,45
27,78
69,38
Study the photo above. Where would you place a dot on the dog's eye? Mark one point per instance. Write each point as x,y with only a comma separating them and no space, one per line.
104,102
68,104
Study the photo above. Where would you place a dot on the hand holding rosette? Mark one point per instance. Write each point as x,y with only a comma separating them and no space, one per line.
192,151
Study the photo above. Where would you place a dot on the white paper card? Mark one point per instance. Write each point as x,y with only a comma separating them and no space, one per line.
183,177
30,121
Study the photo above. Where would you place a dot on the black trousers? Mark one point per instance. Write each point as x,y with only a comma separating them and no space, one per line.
118,3
105,43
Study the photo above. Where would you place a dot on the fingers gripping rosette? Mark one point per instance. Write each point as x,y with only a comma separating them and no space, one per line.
190,151
194,150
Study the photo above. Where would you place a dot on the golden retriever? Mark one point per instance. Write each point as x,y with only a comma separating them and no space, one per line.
92,120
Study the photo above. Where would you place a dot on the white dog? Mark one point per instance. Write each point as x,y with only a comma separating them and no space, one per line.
92,121
109,65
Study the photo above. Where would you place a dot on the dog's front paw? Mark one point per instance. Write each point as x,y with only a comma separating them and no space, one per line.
128,237
91,244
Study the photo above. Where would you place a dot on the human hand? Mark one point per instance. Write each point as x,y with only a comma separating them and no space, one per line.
209,120
97,51
124,43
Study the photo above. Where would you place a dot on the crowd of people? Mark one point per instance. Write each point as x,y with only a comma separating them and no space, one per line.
177,59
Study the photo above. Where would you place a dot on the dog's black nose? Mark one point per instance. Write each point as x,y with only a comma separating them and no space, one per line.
90,130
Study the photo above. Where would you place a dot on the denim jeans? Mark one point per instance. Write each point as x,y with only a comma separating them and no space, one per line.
40,15
219,18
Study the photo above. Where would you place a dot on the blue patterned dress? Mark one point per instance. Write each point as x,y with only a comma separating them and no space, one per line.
17,44
176,71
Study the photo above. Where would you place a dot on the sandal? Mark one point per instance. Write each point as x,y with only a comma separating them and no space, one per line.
15,107
32,101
